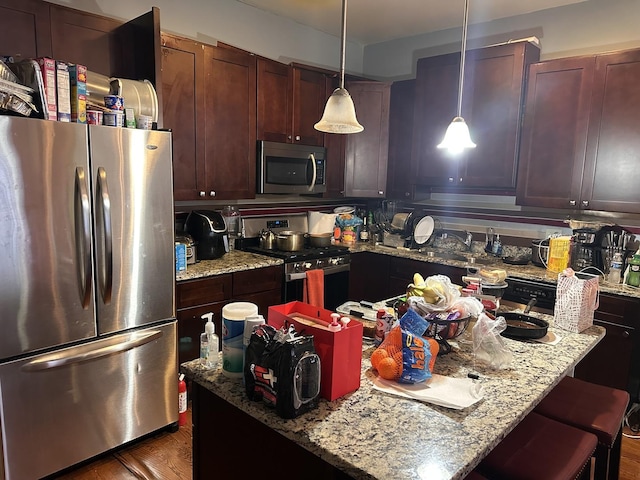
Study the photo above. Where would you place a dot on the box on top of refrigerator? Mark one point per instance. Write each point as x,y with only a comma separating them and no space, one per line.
78,82
48,69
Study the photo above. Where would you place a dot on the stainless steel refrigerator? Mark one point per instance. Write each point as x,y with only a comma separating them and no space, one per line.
87,305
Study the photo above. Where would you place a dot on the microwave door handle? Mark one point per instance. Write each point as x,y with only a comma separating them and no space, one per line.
312,157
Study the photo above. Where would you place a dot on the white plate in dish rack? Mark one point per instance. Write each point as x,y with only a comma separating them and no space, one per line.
423,230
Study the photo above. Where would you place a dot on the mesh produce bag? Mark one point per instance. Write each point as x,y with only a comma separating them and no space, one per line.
576,300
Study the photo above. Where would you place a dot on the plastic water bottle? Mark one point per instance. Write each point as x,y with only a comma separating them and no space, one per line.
615,271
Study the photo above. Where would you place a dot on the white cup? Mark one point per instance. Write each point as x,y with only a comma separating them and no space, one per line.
144,122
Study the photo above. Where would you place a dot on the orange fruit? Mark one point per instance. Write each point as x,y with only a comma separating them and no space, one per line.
377,355
394,337
392,349
389,369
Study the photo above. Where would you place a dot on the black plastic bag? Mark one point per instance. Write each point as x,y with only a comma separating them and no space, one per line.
282,369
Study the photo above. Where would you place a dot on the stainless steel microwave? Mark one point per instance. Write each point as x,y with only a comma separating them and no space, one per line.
290,168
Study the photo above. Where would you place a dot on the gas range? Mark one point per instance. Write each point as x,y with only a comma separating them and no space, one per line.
332,259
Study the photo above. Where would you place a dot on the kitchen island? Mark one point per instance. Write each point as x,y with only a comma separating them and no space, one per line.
369,434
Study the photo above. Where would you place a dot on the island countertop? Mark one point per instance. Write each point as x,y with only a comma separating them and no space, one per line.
369,434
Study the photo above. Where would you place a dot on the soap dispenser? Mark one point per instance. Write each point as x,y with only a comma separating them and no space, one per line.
209,343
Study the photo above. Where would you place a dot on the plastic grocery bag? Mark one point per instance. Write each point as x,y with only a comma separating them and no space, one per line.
488,346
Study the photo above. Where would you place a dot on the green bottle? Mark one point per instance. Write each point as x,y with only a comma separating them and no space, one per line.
633,277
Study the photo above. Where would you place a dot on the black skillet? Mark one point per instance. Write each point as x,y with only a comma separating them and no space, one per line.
521,326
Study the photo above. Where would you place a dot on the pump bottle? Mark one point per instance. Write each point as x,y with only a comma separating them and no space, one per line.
209,343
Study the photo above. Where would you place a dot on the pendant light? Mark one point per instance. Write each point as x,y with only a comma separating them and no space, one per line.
339,113
457,137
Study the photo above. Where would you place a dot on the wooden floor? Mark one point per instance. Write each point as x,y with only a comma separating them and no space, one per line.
167,456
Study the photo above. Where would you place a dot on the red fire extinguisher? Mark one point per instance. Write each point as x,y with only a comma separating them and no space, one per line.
182,401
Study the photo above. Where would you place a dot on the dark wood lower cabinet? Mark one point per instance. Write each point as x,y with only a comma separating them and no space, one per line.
615,361
194,298
264,452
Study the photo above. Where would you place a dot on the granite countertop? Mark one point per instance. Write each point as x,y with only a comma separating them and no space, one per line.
528,272
234,261
369,434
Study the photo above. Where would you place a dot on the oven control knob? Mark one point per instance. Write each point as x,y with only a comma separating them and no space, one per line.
307,266
334,261
296,267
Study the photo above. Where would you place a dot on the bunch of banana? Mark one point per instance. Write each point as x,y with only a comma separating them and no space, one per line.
419,288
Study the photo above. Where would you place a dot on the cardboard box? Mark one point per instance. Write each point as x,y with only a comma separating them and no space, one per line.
78,82
48,70
63,89
340,352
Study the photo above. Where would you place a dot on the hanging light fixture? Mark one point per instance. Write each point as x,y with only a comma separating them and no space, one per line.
339,113
457,137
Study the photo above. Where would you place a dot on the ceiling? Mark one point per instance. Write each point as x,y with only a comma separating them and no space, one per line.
374,21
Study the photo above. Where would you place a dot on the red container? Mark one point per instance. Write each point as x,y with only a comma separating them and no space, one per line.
340,352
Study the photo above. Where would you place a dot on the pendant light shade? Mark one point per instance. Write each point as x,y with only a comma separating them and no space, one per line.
457,136
339,113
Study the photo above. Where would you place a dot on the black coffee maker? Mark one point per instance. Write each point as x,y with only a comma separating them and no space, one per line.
207,227
595,247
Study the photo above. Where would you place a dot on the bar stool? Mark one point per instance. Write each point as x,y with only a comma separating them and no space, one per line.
540,448
592,408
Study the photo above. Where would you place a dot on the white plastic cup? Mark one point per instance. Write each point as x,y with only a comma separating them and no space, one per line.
144,122
233,319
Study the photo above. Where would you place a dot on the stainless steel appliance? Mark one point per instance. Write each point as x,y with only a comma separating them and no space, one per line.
88,344
290,168
334,260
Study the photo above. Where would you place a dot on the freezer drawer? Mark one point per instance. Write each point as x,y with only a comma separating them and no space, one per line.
61,408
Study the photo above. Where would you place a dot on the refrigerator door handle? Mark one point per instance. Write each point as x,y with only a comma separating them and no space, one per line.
84,353
105,249
82,209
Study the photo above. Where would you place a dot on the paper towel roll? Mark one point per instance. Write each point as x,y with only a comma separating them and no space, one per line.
321,222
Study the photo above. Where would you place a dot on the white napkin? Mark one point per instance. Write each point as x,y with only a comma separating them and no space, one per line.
456,393
550,338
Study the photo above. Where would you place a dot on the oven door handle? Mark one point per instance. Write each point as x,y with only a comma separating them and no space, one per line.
312,157
289,277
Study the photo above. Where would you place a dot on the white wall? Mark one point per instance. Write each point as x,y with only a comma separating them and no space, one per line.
587,27
237,24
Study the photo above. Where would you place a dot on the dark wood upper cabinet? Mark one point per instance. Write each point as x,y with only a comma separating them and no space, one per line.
230,123
612,173
25,30
401,170
210,105
492,107
580,144
554,132
184,114
290,102
367,152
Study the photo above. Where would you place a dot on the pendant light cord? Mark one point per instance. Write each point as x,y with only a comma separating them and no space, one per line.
465,20
343,41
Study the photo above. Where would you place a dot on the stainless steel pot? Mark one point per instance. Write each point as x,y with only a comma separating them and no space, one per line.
290,241
540,252
267,239
320,239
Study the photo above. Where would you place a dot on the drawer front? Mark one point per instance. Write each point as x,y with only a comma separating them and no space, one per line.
257,280
618,310
203,291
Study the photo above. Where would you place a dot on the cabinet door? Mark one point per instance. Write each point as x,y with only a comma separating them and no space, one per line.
183,90
191,326
275,101
25,29
495,95
612,173
401,170
401,272
368,277
309,97
230,123
610,362
435,106
554,133
97,41
367,151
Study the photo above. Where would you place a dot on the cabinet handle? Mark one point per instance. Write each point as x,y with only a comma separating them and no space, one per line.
460,180
288,137
212,193
380,192
626,334
572,203
202,194
450,179
407,194
297,138
585,203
